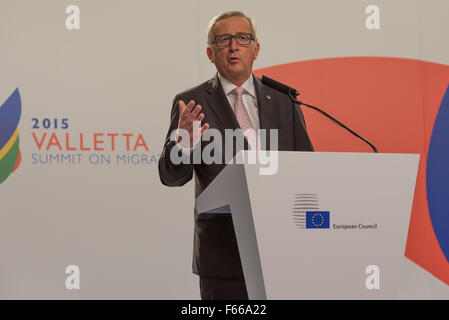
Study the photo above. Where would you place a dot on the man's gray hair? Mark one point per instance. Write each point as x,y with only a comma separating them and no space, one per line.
225,15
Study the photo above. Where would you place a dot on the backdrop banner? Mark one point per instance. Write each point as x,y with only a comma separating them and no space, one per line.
86,91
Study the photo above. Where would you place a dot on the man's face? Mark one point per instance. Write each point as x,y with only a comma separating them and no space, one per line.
234,62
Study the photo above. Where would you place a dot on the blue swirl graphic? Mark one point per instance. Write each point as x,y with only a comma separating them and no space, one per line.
438,176
10,113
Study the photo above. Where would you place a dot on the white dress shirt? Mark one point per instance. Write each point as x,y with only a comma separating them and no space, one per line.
249,98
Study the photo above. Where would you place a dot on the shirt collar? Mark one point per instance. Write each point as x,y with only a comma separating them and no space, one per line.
228,86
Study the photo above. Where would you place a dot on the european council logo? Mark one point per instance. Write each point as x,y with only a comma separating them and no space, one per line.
10,156
317,219
306,212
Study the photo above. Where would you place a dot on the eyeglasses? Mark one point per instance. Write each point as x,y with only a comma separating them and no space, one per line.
224,40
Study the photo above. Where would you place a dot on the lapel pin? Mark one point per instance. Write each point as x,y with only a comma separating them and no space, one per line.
268,97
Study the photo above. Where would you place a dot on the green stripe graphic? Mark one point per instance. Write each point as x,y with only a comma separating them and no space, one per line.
9,161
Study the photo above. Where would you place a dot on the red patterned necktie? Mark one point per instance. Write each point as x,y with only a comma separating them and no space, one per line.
243,118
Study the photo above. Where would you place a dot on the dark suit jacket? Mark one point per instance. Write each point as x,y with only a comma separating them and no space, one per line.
215,252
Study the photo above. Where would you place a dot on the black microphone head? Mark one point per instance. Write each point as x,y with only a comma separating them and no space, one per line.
279,86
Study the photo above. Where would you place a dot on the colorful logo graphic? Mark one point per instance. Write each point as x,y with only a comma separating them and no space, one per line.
402,106
10,155
305,212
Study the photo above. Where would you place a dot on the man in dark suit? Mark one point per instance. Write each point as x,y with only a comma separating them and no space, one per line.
233,99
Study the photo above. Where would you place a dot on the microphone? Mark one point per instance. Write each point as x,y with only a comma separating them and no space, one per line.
293,93
279,86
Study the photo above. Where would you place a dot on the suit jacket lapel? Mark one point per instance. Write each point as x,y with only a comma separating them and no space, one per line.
267,113
219,104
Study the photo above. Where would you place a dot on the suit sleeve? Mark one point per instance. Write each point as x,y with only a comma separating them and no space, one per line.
173,174
302,140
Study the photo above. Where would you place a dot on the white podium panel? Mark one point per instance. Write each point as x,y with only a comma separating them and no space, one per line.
325,226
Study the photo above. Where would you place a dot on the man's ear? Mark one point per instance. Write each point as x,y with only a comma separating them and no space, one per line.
257,50
210,54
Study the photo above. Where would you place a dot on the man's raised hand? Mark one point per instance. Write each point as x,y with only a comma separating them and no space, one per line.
190,120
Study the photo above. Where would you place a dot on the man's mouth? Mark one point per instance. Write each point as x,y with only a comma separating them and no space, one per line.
234,59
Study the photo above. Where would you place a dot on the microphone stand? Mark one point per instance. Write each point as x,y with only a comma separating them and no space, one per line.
293,94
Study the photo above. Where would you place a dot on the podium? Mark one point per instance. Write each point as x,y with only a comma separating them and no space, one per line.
325,225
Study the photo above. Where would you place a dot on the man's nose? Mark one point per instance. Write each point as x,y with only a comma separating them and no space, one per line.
234,45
